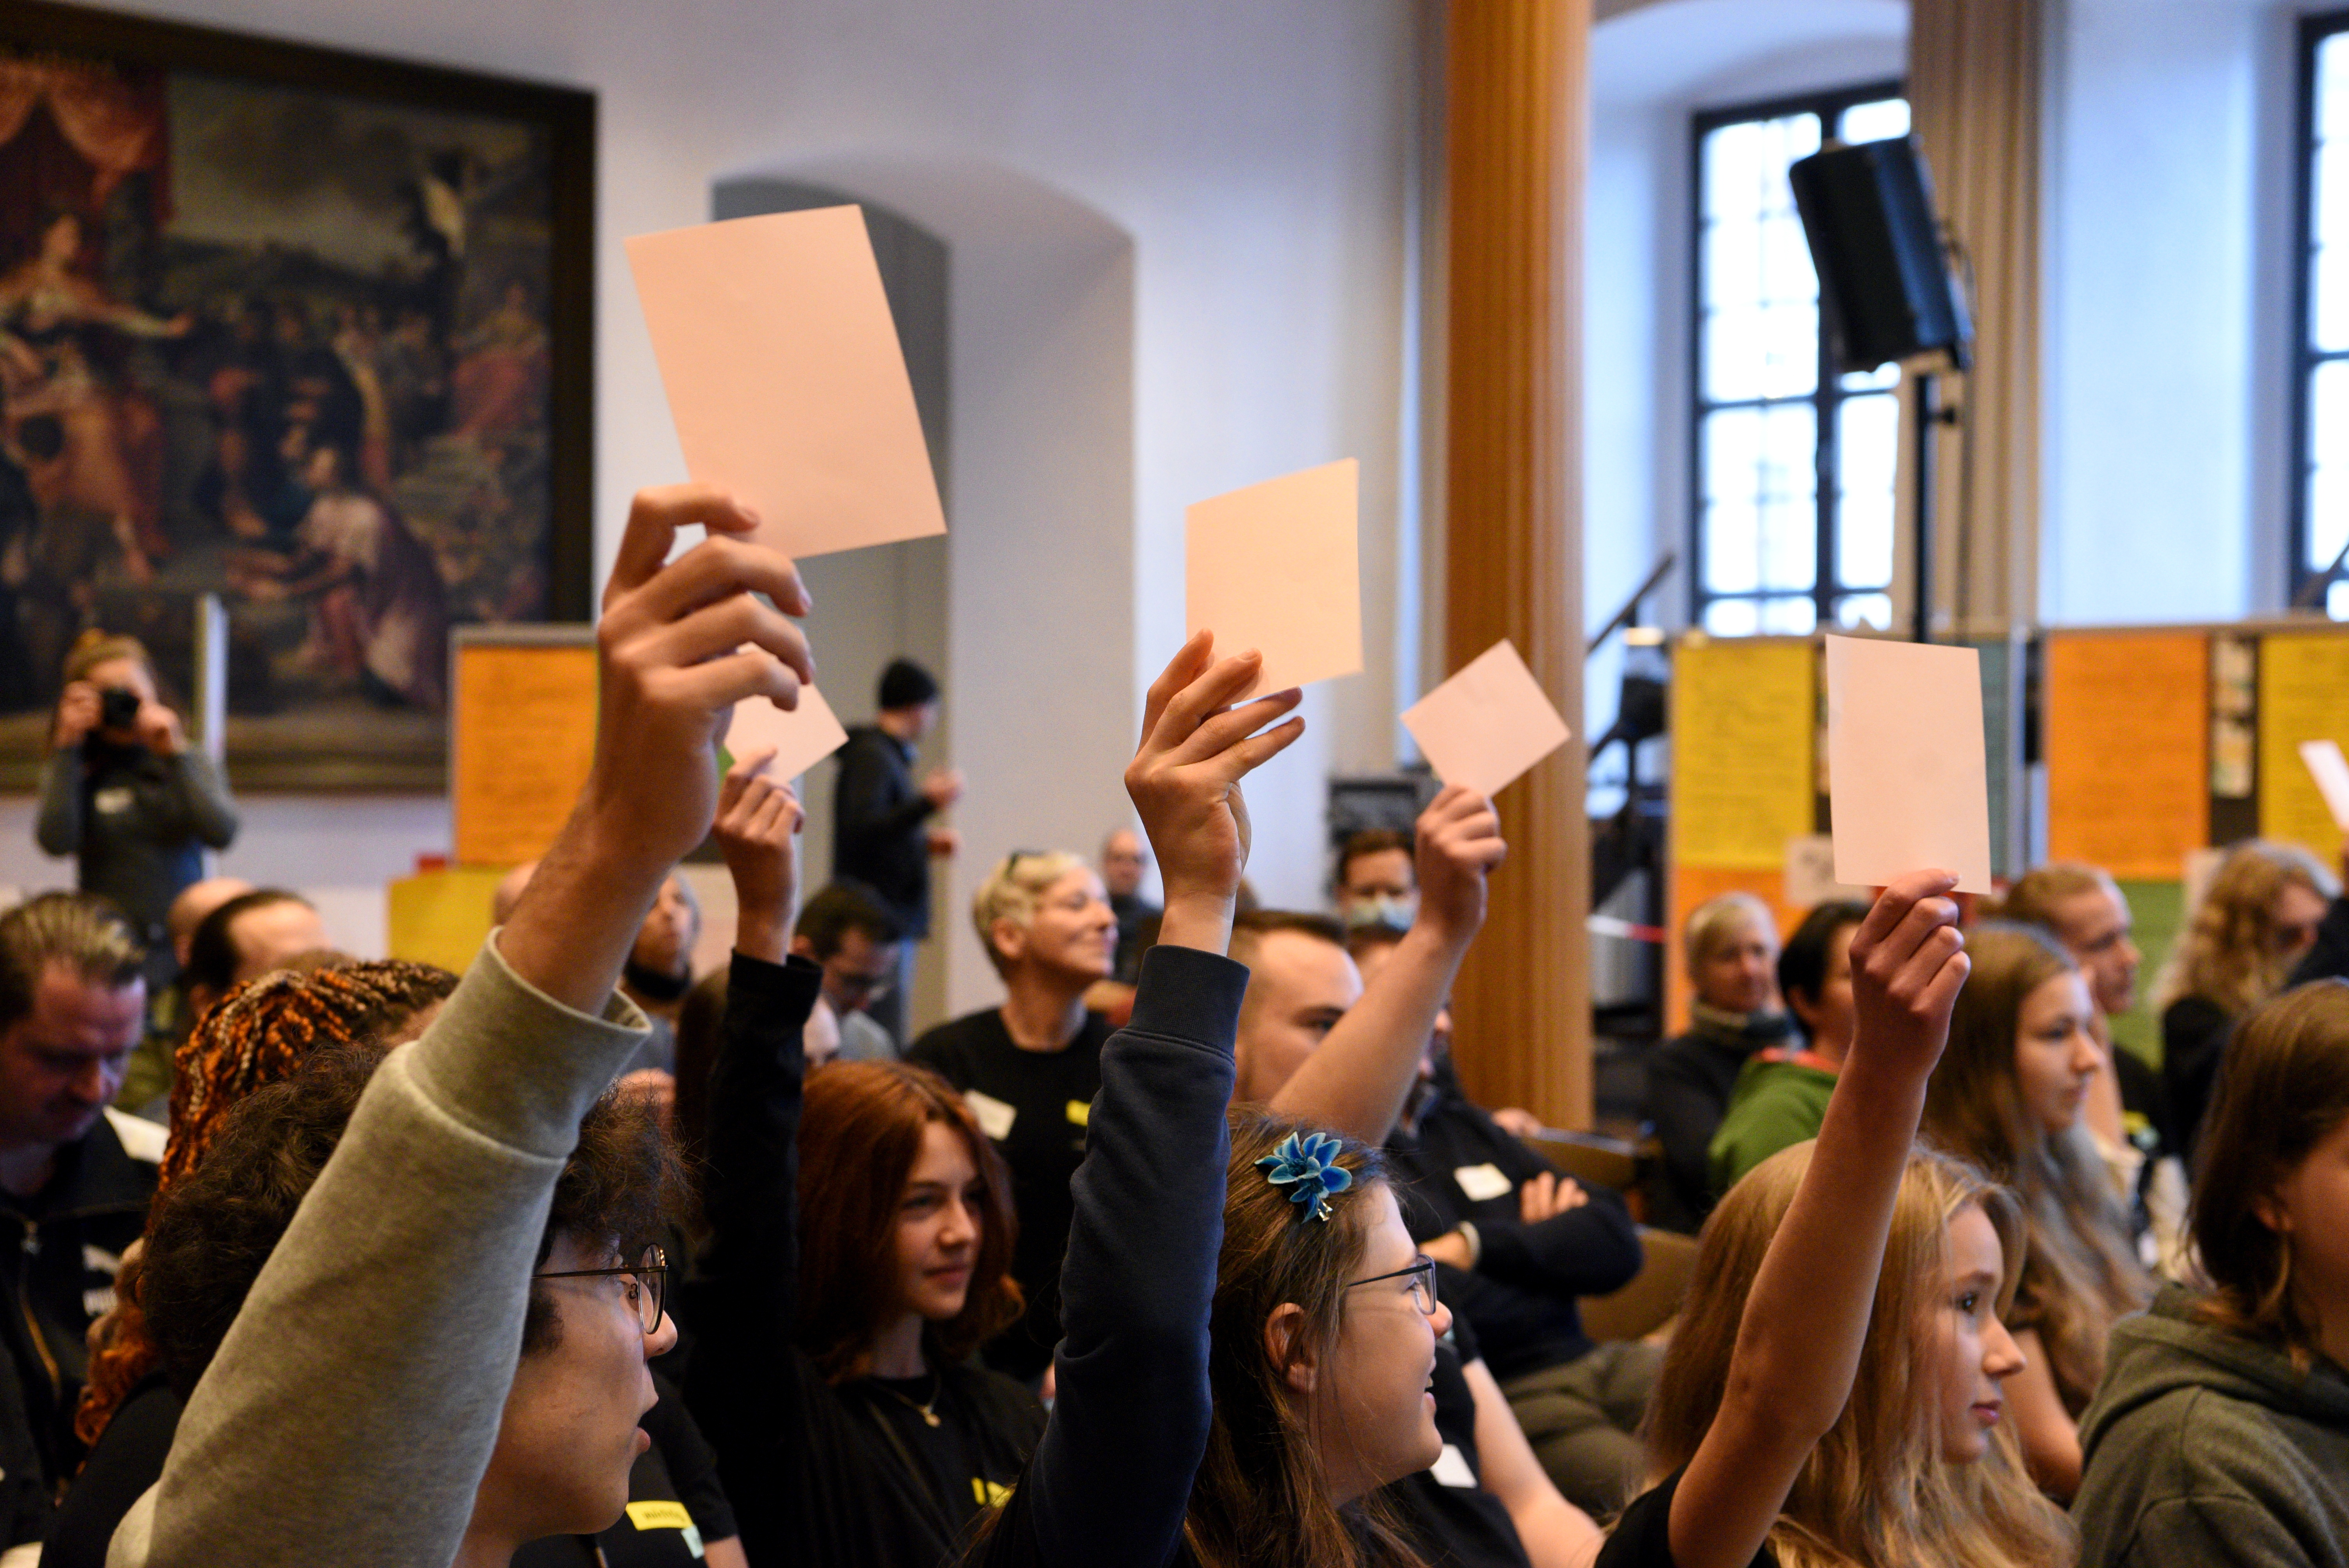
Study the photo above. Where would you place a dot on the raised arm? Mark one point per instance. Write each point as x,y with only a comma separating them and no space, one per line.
388,1319
1356,1082
1805,1318
744,1383
1112,1477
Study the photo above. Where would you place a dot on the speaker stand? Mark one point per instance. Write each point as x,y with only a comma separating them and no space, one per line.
1929,414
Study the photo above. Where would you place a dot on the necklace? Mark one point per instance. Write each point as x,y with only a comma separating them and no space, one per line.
927,1410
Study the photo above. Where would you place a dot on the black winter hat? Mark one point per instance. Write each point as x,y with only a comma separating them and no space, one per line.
906,684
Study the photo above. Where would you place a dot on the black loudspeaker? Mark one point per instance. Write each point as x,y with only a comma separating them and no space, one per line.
1885,289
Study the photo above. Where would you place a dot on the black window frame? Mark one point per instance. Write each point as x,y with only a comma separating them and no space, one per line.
1826,395
2306,357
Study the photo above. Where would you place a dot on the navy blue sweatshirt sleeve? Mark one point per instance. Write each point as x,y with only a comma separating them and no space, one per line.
743,1385
1112,1478
1588,1251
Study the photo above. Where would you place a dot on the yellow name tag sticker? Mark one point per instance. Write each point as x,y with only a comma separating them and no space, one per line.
659,1516
1081,1112
987,1493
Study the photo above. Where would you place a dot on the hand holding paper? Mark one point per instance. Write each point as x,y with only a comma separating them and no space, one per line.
783,373
1487,724
1907,762
1277,567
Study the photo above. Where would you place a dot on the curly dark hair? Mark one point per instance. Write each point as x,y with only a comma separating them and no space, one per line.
213,1232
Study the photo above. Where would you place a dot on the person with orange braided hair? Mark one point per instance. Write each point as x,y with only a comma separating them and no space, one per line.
259,1034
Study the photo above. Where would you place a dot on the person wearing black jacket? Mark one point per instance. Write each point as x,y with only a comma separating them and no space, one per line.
845,1466
881,835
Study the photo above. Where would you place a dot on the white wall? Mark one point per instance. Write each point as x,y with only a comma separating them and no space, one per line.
1255,157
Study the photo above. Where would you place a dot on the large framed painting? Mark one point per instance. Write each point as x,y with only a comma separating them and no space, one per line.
301,329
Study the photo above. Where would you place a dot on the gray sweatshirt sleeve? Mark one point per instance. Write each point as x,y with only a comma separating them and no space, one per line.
351,1410
209,814
57,830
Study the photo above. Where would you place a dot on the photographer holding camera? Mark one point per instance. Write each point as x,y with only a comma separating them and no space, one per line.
125,792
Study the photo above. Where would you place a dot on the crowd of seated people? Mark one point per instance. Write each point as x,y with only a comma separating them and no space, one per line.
1237,1277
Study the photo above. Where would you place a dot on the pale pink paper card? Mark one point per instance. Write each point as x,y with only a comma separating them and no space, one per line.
784,376
801,737
1906,767
1277,567
1487,724
2331,772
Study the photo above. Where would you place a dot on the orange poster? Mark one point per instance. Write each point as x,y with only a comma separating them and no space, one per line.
521,738
1744,720
2127,746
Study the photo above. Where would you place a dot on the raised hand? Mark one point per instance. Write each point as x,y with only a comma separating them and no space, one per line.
1907,965
757,830
942,789
1460,843
1185,781
680,644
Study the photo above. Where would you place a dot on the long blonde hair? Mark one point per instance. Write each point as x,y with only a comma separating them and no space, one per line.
1876,1490
2080,1272
2227,954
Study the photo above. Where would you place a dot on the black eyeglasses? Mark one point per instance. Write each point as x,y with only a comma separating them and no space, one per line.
648,1284
1422,1283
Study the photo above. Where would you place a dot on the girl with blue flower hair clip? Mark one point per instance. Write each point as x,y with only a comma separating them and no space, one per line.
1249,1331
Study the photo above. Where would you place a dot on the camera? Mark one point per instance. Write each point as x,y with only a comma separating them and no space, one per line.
118,708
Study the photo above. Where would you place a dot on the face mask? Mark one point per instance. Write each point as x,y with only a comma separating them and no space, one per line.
1381,909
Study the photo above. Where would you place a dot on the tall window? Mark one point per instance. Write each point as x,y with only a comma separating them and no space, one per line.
1794,463
2320,507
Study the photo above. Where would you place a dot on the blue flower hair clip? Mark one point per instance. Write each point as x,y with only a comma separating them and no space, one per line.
1307,1164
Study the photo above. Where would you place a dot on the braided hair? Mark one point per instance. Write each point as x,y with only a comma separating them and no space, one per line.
256,1036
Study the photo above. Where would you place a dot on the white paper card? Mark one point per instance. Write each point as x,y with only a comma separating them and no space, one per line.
2331,772
1908,776
800,738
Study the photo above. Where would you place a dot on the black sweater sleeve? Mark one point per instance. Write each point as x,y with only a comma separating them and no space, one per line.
743,1387
1686,1114
1586,1250
1112,1478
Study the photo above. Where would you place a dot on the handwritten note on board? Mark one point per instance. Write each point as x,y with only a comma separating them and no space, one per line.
2303,688
1278,567
1743,718
1907,774
1487,724
2129,749
783,373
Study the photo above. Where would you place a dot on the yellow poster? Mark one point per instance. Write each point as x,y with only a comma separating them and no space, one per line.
1745,721
2303,696
2128,750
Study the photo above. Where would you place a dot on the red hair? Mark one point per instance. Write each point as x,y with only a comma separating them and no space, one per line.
859,1137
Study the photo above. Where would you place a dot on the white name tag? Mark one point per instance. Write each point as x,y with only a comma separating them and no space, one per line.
995,1117
1451,1468
112,800
1483,1183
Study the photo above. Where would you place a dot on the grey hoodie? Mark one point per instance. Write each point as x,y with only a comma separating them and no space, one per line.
2204,1448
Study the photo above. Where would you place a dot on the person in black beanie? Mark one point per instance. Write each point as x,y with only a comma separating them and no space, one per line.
882,835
